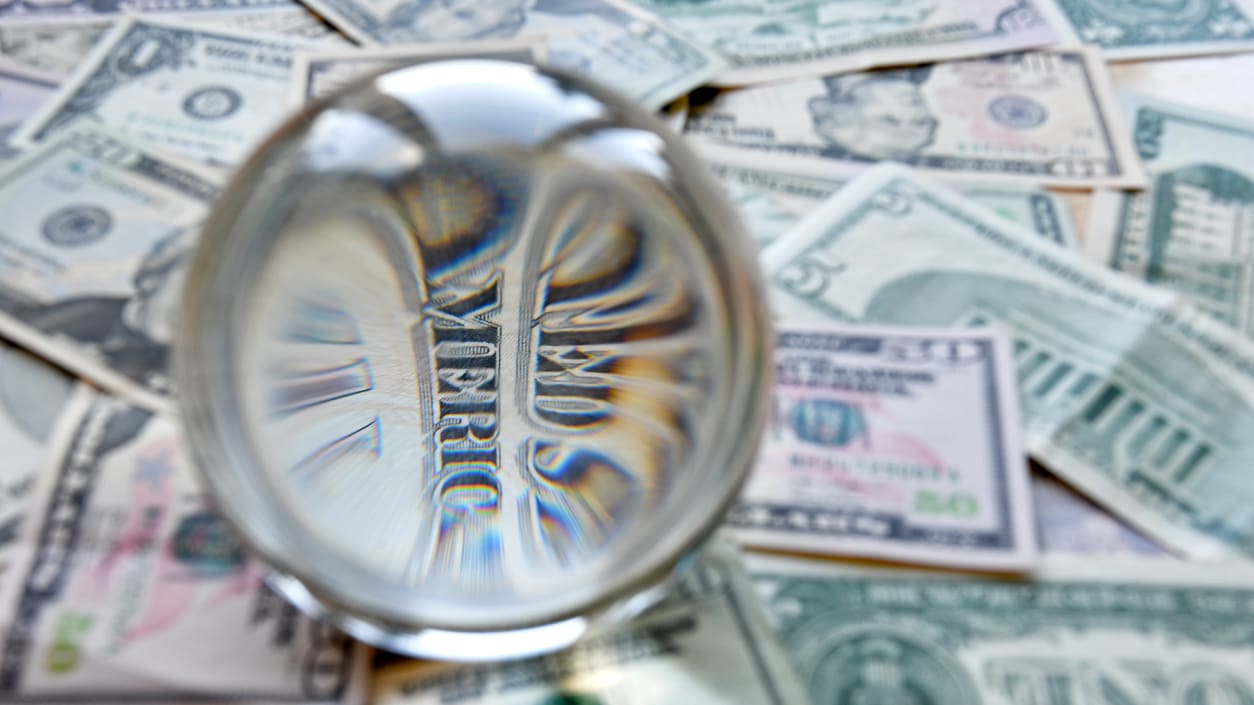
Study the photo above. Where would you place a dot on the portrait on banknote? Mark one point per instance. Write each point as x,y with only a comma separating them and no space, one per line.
881,115
131,333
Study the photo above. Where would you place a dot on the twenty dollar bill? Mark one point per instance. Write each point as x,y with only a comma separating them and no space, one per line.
130,588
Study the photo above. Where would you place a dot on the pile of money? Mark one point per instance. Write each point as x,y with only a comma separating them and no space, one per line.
1009,245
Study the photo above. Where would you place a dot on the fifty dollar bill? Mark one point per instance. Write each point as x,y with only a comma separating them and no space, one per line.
1134,397
892,442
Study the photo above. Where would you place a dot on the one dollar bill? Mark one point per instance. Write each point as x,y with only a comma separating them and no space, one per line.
611,41
318,74
1043,117
892,442
1153,30
1189,231
1079,633
205,92
1134,397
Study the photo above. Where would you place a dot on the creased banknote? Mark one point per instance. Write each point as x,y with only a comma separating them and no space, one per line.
317,74
1190,230
94,246
55,46
773,192
1044,117
22,91
40,10
611,41
892,442
707,644
205,92
128,587
1129,631
1129,394
32,394
1068,523
767,40
1152,29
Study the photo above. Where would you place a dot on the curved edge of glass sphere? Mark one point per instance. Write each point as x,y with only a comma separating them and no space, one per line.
225,464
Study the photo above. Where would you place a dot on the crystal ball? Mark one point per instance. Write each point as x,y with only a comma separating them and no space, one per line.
474,355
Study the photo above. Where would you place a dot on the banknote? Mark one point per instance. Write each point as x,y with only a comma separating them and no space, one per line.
1151,29
94,246
317,74
205,92
290,20
1130,631
32,394
767,40
53,46
39,10
611,41
22,91
1070,524
892,442
773,192
131,589
1189,231
708,644
1045,117
1132,396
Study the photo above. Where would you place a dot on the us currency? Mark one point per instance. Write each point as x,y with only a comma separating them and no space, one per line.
38,10
612,41
892,442
21,93
1145,29
205,92
32,394
708,644
1044,117
318,74
1130,395
765,40
55,46
94,247
1189,231
130,588
290,20
1067,523
1080,633
774,192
